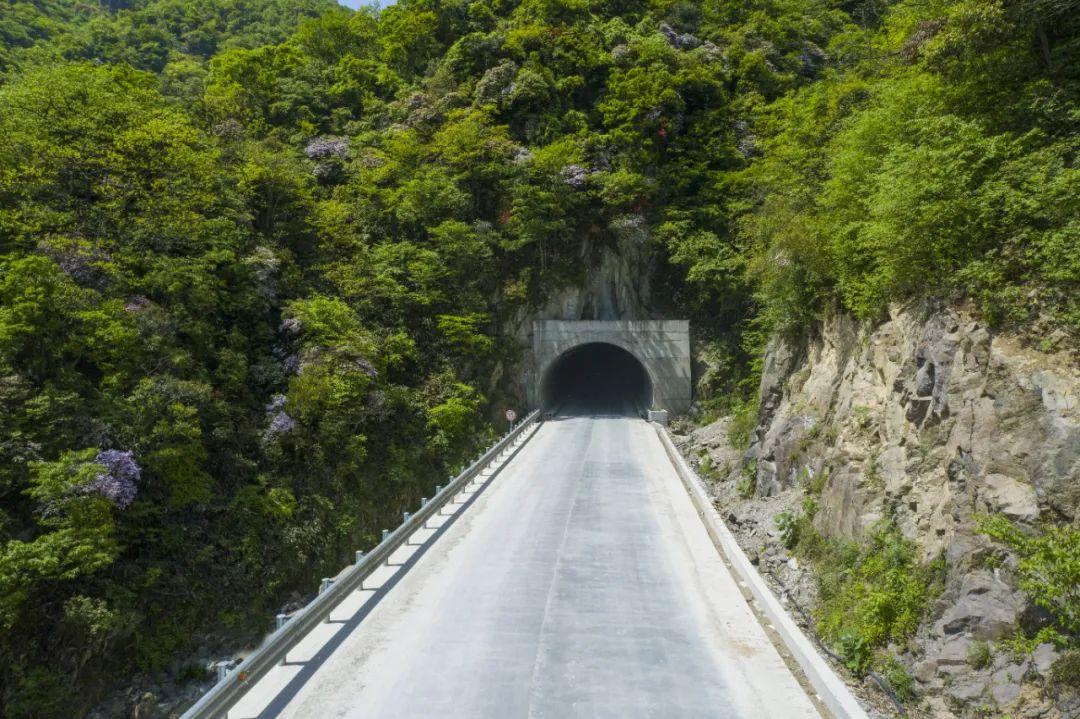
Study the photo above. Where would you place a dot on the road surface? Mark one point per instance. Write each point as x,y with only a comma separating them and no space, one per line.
578,583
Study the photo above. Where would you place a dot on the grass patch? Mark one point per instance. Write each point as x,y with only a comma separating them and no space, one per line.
870,594
708,469
743,422
747,484
979,655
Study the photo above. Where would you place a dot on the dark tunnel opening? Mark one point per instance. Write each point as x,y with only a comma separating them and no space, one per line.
596,378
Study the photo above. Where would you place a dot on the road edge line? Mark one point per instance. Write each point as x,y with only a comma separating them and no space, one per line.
832,690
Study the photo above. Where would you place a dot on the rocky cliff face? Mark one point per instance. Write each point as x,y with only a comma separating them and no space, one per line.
927,419
615,285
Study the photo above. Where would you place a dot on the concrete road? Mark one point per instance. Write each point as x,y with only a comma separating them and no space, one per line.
579,583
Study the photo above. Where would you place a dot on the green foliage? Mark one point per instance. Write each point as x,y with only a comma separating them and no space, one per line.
708,469
978,655
747,484
871,594
925,174
897,676
1065,672
797,529
1049,567
744,421
267,247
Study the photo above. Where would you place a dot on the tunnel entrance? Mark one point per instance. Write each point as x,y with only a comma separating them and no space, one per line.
596,378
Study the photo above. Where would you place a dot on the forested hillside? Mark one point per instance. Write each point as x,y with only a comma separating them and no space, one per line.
254,254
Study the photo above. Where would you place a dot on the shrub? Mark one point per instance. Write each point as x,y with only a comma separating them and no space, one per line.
797,528
1049,567
897,676
747,485
743,422
1066,670
708,469
872,594
788,524
978,655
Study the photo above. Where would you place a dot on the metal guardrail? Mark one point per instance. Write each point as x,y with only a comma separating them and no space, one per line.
234,684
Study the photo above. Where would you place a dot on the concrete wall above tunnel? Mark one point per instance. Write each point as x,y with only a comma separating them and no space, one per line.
661,346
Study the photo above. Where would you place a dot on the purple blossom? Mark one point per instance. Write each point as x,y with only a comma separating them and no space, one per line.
622,53
264,264
686,41
290,326
812,57
229,129
138,303
711,50
291,364
497,84
119,482
745,141
327,147
574,175
601,162
370,160
281,422
325,170
81,263
632,228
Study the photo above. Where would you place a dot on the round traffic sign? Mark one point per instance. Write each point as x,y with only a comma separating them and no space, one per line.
511,415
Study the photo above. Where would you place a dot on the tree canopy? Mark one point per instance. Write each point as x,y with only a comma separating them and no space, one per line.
257,257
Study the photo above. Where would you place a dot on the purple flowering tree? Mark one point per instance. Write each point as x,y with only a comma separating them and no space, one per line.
323,148
280,421
119,482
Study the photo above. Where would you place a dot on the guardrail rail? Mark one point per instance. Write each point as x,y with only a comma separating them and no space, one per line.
232,685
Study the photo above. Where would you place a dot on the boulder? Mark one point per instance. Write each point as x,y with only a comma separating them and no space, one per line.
1043,658
1005,683
1011,497
987,608
967,689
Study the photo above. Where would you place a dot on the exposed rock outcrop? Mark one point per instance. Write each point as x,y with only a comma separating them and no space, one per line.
928,419
614,286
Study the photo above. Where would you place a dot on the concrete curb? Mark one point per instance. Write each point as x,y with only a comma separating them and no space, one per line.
831,689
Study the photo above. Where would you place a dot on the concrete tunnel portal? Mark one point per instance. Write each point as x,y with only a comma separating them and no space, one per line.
596,378
610,366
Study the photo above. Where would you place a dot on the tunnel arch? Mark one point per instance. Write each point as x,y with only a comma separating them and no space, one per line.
596,378
662,346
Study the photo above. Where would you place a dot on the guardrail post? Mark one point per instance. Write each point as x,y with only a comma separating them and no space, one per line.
405,517
359,556
438,488
222,670
423,501
280,620
385,534
325,584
